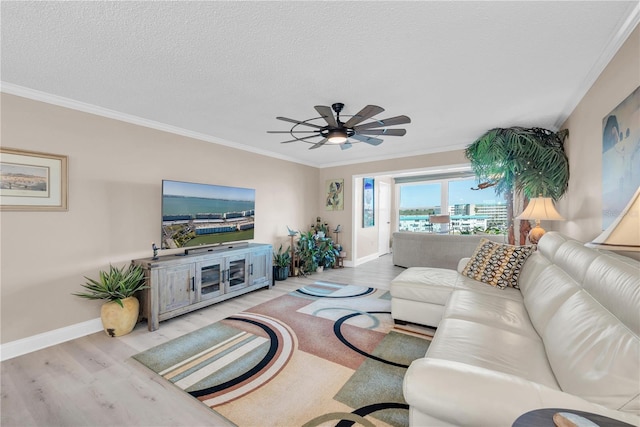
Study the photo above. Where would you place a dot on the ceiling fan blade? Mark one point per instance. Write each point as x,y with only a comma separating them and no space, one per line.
391,121
294,131
318,144
345,146
300,139
364,114
298,122
389,132
327,115
367,139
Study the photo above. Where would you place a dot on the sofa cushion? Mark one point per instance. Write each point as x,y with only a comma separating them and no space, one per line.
608,272
492,348
551,243
544,295
490,310
467,283
497,264
432,285
593,354
575,258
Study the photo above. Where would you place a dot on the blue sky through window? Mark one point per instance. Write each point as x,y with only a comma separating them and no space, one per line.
428,195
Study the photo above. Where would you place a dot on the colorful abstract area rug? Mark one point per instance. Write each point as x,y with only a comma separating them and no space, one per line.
326,354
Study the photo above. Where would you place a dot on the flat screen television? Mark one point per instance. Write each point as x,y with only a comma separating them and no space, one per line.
204,214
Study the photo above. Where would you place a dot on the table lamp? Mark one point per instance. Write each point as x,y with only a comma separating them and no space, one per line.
539,208
624,233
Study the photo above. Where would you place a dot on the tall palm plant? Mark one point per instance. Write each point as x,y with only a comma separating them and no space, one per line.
529,162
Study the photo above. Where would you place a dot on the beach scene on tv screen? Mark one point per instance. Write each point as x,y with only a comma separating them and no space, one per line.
204,214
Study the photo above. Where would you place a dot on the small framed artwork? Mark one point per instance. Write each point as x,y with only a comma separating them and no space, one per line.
32,181
335,195
368,202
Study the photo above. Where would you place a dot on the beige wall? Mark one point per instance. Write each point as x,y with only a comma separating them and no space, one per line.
115,173
582,205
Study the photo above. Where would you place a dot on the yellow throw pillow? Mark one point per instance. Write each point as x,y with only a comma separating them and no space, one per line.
497,264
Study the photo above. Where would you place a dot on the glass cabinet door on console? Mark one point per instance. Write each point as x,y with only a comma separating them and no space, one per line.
209,277
237,272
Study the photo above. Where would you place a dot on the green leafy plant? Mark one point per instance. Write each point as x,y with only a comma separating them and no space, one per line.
115,284
282,259
307,251
526,161
493,230
327,253
529,161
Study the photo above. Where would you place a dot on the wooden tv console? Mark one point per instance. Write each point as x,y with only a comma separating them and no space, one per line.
178,284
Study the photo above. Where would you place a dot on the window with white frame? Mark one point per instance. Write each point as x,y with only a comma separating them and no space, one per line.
471,211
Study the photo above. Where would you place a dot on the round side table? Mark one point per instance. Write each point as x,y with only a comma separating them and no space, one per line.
544,418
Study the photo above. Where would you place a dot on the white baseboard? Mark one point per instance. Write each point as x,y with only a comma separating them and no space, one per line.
47,339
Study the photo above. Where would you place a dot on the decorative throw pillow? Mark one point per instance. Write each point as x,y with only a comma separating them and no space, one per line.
497,264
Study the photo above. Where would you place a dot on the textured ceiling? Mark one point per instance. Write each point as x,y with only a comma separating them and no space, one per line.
222,71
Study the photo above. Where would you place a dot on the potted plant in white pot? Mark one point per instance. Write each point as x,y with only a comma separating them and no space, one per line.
118,287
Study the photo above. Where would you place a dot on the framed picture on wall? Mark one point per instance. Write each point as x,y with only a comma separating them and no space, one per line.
620,157
335,195
32,181
368,202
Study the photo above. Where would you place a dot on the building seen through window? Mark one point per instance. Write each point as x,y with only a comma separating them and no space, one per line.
470,211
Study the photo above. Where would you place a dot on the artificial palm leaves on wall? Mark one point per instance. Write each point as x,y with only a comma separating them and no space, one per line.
528,162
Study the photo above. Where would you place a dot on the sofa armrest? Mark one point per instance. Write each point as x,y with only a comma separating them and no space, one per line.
462,264
466,395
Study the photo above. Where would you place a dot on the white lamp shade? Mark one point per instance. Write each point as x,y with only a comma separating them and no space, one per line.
541,208
624,233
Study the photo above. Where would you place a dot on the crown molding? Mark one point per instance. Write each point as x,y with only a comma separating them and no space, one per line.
395,156
621,36
84,107
60,101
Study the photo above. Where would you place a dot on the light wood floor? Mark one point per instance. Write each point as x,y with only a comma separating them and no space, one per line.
92,381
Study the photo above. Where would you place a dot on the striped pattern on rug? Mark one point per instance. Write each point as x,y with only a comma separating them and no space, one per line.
326,354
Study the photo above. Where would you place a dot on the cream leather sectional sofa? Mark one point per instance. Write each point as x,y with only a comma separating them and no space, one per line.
568,338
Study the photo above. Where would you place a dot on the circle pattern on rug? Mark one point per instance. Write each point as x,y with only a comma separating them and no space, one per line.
337,329
281,346
358,292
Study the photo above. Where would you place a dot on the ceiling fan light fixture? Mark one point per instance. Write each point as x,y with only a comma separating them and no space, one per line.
343,134
336,137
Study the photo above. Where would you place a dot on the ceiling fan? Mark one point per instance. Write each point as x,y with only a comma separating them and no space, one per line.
336,132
